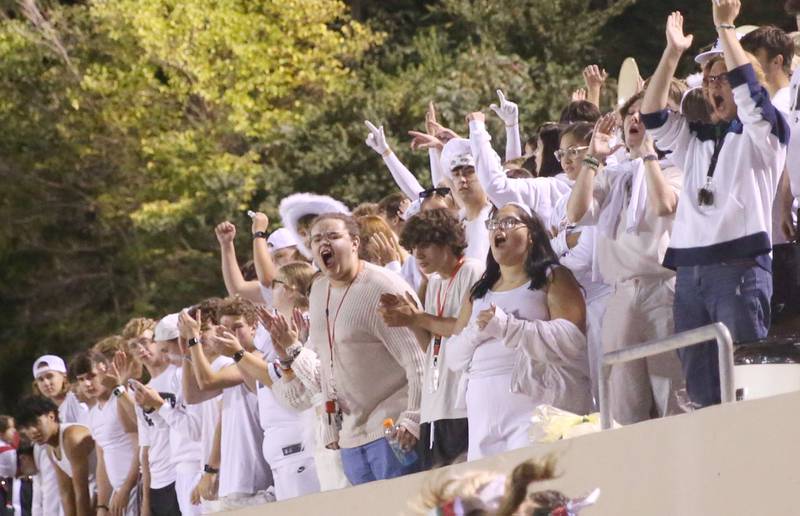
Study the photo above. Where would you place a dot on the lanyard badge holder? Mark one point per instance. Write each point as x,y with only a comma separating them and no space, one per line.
334,412
705,195
437,340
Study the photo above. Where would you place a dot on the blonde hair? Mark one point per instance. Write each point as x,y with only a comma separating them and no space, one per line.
370,225
108,346
299,276
525,473
444,488
136,327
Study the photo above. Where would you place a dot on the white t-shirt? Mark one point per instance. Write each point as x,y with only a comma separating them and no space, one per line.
109,434
8,461
47,501
242,466
439,403
72,410
210,410
184,426
154,434
477,234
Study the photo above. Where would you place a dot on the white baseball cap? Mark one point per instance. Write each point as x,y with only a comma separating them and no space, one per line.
47,363
703,57
456,153
281,238
167,328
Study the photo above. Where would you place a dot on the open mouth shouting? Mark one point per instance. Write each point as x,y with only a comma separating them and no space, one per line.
327,257
499,239
718,101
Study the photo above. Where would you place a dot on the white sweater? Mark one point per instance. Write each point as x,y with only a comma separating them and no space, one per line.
752,158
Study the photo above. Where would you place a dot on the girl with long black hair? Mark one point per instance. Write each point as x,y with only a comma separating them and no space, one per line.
521,340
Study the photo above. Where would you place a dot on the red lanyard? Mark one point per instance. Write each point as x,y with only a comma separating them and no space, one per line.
331,329
441,302
437,341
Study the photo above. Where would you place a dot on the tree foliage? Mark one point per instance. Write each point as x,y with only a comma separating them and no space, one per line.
131,127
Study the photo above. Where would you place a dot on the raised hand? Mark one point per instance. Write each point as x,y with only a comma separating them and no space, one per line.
594,77
484,316
376,140
676,39
189,327
226,232
600,146
284,333
383,249
431,125
123,367
725,11
579,95
260,222
507,110
146,397
421,140
397,311
476,115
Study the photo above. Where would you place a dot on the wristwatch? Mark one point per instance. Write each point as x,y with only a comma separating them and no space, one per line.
650,157
210,470
238,355
261,234
192,342
118,391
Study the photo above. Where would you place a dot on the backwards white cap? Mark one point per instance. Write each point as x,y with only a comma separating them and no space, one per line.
295,206
167,328
703,57
280,239
47,363
456,153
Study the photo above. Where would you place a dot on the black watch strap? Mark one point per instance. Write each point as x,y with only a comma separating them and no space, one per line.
238,355
209,469
192,342
261,234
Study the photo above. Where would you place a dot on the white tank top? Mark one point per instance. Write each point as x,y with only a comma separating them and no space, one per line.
110,435
73,411
50,500
493,357
63,462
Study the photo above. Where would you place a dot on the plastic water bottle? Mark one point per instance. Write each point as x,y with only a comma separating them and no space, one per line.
406,458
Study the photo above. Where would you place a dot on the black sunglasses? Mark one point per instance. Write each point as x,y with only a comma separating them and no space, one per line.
430,192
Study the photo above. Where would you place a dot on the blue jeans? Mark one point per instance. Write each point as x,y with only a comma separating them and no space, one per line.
736,295
373,461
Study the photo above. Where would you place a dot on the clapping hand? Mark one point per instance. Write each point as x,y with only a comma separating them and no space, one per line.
302,324
146,397
383,249
284,333
189,327
600,146
397,311
227,344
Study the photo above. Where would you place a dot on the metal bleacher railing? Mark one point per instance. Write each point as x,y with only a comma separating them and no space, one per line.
716,331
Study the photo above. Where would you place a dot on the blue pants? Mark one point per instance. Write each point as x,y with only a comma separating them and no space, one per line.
736,295
373,461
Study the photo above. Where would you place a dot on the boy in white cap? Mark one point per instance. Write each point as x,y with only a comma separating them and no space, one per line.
50,374
169,420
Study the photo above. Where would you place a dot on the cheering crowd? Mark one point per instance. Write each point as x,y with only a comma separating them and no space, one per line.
425,329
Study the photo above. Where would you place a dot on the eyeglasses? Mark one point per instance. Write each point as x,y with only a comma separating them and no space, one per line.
571,152
506,224
716,79
463,171
430,192
329,236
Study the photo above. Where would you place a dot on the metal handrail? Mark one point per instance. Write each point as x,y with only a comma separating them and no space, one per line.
716,331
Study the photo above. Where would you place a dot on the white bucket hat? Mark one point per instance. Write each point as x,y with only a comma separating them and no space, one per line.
296,206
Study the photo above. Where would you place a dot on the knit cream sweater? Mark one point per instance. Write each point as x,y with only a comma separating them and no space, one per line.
377,370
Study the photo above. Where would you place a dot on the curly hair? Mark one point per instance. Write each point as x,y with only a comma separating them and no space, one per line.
136,327
437,226
209,310
235,306
108,346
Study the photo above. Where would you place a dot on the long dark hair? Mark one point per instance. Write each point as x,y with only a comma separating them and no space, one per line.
550,134
539,259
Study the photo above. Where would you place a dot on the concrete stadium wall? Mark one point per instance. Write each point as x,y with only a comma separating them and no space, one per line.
737,459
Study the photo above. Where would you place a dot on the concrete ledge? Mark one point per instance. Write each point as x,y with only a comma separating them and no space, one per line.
736,459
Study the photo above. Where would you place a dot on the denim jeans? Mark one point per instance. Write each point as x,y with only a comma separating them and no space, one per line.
373,461
737,295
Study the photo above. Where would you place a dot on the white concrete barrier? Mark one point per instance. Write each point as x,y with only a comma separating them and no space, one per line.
737,459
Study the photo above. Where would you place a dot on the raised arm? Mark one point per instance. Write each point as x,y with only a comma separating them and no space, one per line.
594,77
235,283
265,267
581,198
660,194
657,93
509,114
376,140
209,381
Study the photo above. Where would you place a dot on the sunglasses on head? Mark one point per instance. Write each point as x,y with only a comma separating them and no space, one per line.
430,192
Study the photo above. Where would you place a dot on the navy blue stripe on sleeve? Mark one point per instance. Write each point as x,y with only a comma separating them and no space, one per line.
655,120
745,74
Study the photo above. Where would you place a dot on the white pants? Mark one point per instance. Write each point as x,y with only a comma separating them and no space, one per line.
595,311
640,310
499,420
295,478
187,477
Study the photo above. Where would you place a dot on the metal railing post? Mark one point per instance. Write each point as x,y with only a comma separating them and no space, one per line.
716,331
